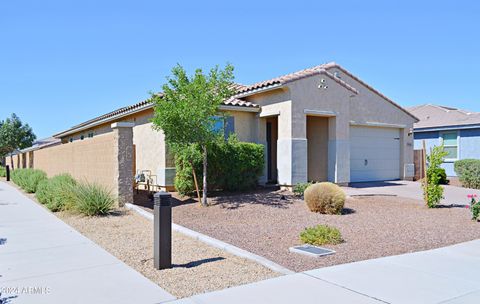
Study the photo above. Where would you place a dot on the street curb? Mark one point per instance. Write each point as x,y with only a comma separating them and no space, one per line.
217,243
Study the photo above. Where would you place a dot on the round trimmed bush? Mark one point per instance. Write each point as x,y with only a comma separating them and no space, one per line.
326,198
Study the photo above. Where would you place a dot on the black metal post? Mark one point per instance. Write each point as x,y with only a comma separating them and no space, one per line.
7,168
162,246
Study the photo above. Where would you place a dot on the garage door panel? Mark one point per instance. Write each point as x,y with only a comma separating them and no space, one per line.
379,132
366,142
362,176
391,154
383,164
374,154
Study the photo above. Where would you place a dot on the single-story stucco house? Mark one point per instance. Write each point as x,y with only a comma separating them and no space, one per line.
458,130
320,124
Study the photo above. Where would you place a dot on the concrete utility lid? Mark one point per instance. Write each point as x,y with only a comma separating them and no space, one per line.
312,251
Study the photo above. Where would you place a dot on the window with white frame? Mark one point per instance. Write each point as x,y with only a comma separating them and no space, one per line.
450,143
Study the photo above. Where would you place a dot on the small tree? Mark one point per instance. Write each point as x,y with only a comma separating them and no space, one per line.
14,135
432,191
188,110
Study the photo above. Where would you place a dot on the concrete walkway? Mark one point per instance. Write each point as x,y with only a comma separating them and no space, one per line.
452,195
447,275
43,260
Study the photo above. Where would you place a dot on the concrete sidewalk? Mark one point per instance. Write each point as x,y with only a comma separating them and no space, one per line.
446,275
452,194
43,260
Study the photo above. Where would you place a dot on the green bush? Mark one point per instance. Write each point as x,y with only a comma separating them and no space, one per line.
299,189
321,235
3,171
92,199
468,171
56,193
232,166
326,198
442,176
28,179
474,207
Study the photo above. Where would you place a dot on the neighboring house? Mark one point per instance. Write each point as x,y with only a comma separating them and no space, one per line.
321,124
458,130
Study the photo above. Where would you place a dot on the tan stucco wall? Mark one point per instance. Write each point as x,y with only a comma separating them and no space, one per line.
16,161
371,106
151,152
343,108
317,139
245,125
91,160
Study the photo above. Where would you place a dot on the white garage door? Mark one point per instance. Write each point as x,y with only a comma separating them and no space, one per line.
374,154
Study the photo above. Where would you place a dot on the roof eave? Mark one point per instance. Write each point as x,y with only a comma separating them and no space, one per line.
259,90
447,128
239,108
102,121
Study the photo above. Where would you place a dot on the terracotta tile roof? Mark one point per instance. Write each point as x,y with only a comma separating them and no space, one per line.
239,102
142,104
435,116
281,80
243,90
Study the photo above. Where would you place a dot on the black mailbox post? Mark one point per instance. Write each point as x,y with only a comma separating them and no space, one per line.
162,246
7,168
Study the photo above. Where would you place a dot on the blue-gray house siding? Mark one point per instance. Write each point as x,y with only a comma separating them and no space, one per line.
468,144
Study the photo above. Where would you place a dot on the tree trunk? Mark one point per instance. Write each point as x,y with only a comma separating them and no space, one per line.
196,183
204,197
11,161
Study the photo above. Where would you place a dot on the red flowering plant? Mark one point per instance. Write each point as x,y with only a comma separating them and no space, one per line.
474,206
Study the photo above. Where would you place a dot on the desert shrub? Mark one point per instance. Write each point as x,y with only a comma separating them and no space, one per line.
28,179
432,191
18,177
325,198
3,171
56,193
300,188
321,235
92,199
232,166
468,171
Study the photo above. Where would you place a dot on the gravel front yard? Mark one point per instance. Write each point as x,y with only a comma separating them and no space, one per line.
197,267
268,223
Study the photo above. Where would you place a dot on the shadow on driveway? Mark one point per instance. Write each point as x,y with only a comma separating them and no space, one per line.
362,185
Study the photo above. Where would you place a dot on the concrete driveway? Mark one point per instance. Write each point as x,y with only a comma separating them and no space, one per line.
452,195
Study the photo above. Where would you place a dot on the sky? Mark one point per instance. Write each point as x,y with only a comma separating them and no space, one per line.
63,62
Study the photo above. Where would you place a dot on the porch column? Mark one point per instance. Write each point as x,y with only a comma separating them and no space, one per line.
123,161
261,138
292,152
338,151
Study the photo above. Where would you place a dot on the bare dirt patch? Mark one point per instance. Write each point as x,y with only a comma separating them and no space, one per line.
269,222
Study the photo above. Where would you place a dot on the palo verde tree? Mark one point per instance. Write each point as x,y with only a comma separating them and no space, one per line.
14,135
188,109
